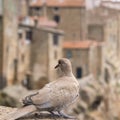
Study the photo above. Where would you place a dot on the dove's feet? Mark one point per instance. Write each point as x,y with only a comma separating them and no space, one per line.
54,114
66,116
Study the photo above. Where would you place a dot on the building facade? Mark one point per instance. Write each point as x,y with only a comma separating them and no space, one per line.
46,49
70,16
104,25
8,38
23,52
86,57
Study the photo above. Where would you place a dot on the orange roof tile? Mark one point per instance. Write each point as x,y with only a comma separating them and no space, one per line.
44,21
80,44
59,3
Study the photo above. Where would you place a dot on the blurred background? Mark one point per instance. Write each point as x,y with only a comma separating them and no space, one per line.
34,34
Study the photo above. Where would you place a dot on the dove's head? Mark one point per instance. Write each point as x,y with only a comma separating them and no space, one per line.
65,65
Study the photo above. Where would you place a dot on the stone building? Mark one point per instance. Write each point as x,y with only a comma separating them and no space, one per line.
70,16
96,22
104,25
23,50
86,57
1,50
23,7
44,49
8,38
115,4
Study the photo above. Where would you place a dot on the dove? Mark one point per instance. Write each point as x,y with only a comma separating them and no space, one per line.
54,97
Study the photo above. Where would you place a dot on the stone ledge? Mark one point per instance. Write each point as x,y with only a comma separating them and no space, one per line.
37,116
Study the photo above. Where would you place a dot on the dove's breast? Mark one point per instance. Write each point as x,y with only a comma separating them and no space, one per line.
63,94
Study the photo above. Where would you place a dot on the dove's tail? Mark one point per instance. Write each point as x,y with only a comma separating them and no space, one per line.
20,113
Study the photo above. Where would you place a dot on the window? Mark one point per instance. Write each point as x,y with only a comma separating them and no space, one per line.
29,35
69,54
37,11
57,18
20,35
37,8
55,39
56,9
79,72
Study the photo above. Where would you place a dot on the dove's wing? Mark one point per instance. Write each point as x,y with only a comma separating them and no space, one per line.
41,99
55,94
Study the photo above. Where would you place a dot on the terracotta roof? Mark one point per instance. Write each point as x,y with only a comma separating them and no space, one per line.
59,3
44,21
80,44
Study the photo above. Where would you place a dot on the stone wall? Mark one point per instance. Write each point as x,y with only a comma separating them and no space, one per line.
96,32
10,39
23,56
44,54
54,53
72,20
89,60
22,6
39,54
1,45
80,58
96,61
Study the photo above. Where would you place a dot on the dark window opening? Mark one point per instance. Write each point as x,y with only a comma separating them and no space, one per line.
56,8
38,11
29,35
55,39
20,35
79,72
37,8
57,18
69,54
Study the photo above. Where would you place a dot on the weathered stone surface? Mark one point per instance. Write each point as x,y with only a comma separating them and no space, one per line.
98,101
91,92
5,110
7,100
36,116
101,103
15,91
12,95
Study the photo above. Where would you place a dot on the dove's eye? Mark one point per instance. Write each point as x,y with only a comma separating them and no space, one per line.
60,62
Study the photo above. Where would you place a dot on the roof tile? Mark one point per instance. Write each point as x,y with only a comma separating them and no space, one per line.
80,44
59,3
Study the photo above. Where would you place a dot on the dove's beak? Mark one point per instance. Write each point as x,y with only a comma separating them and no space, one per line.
57,66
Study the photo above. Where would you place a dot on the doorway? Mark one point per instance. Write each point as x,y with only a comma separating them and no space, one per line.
79,72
